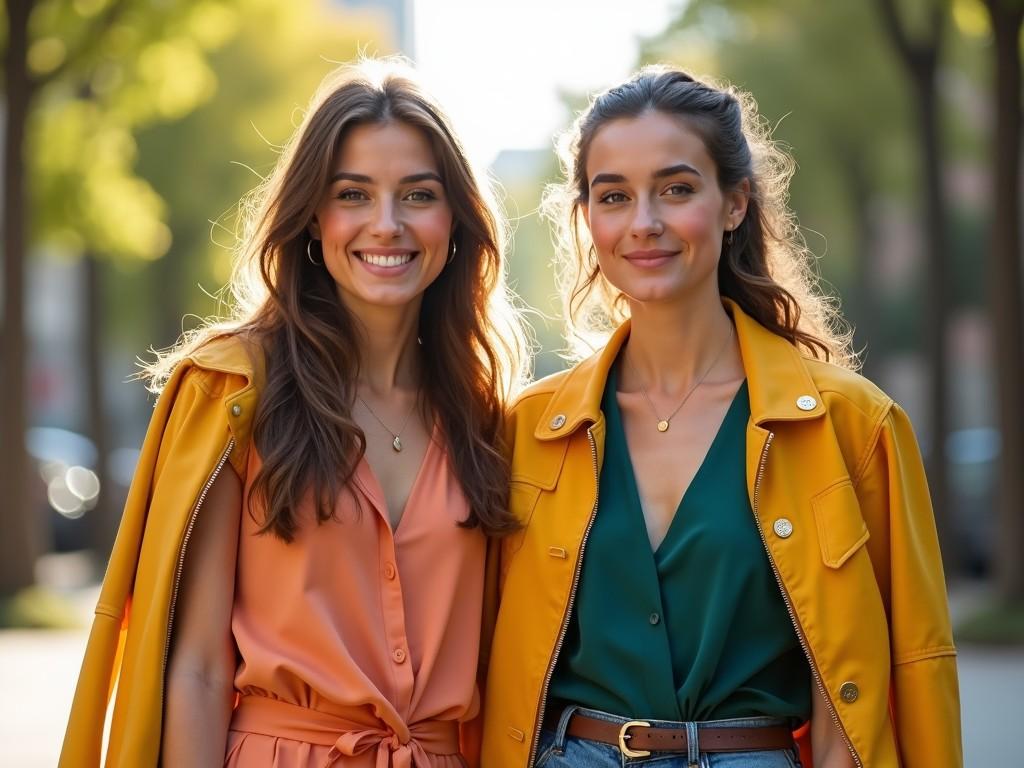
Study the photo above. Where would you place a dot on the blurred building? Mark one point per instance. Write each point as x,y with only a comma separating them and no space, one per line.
398,15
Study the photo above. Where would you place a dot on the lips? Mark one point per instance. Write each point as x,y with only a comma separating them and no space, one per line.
649,255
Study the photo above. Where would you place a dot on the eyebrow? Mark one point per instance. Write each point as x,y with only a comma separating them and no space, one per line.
360,178
672,170
618,178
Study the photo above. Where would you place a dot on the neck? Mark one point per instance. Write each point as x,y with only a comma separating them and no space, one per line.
672,345
388,351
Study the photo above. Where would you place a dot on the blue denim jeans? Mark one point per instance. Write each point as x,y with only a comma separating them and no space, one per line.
558,750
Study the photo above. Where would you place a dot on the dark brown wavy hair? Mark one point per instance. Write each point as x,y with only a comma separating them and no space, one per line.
471,337
767,269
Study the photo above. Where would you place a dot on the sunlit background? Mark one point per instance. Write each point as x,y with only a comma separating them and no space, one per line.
142,123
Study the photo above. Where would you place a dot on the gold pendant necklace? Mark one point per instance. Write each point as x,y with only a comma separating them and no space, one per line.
397,442
664,424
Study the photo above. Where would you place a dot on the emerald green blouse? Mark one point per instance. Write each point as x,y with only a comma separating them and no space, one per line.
696,630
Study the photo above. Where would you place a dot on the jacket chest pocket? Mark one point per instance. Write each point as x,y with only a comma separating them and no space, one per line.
522,501
536,470
841,528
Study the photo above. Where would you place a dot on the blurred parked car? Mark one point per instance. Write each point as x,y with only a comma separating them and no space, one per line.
972,455
67,486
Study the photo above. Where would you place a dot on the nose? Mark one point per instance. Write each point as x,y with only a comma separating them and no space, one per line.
385,222
645,221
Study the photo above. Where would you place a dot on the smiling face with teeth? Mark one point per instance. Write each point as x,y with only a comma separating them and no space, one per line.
384,222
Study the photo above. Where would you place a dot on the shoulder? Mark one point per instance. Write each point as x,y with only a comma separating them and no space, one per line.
226,364
847,392
235,352
863,417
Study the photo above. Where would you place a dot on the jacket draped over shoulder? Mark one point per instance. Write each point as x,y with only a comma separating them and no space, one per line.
202,419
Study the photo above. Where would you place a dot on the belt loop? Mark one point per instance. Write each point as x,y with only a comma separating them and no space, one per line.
692,746
563,726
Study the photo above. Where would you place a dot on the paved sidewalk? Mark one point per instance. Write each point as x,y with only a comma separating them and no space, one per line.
38,672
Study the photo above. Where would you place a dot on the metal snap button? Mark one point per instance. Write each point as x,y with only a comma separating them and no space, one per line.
806,403
236,410
783,528
654,619
849,692
558,422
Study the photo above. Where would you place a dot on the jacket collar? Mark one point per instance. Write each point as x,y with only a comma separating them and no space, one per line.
229,354
780,387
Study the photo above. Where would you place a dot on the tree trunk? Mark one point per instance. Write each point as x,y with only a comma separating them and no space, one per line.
1008,322
19,543
937,301
920,61
104,516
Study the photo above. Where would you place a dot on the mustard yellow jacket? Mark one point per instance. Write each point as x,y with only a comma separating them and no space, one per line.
202,420
839,496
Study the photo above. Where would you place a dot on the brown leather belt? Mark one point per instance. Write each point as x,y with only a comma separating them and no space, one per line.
636,738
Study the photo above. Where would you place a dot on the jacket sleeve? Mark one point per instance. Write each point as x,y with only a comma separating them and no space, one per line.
105,647
924,694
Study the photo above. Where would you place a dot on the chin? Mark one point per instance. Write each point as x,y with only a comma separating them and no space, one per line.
654,294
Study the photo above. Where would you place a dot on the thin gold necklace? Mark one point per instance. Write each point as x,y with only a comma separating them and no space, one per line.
663,424
397,442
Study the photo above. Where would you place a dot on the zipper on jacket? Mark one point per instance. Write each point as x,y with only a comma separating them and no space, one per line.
181,560
789,606
568,608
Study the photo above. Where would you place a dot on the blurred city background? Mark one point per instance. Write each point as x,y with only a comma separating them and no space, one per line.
132,128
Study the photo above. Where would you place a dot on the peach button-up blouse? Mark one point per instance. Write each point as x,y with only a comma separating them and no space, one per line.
358,645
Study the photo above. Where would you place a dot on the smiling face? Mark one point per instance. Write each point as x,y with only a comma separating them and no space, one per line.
655,210
384,222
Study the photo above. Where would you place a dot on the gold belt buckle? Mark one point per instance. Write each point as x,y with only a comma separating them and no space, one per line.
623,737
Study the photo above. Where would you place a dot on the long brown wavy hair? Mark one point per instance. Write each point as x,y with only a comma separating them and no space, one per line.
472,349
767,269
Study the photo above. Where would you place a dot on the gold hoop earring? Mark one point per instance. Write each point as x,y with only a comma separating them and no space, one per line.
309,254
451,251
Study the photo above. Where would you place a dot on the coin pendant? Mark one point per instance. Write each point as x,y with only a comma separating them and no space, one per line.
663,426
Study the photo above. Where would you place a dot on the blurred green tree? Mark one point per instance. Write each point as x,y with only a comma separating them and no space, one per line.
1007,19
78,77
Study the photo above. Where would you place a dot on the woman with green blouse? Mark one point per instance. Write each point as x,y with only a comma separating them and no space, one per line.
728,557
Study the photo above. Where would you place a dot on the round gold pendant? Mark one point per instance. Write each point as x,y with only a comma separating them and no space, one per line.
663,425
397,444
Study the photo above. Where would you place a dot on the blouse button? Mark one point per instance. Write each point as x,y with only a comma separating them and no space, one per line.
398,655
389,571
654,619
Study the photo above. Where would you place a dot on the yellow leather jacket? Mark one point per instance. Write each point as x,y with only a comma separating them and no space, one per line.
202,420
839,495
